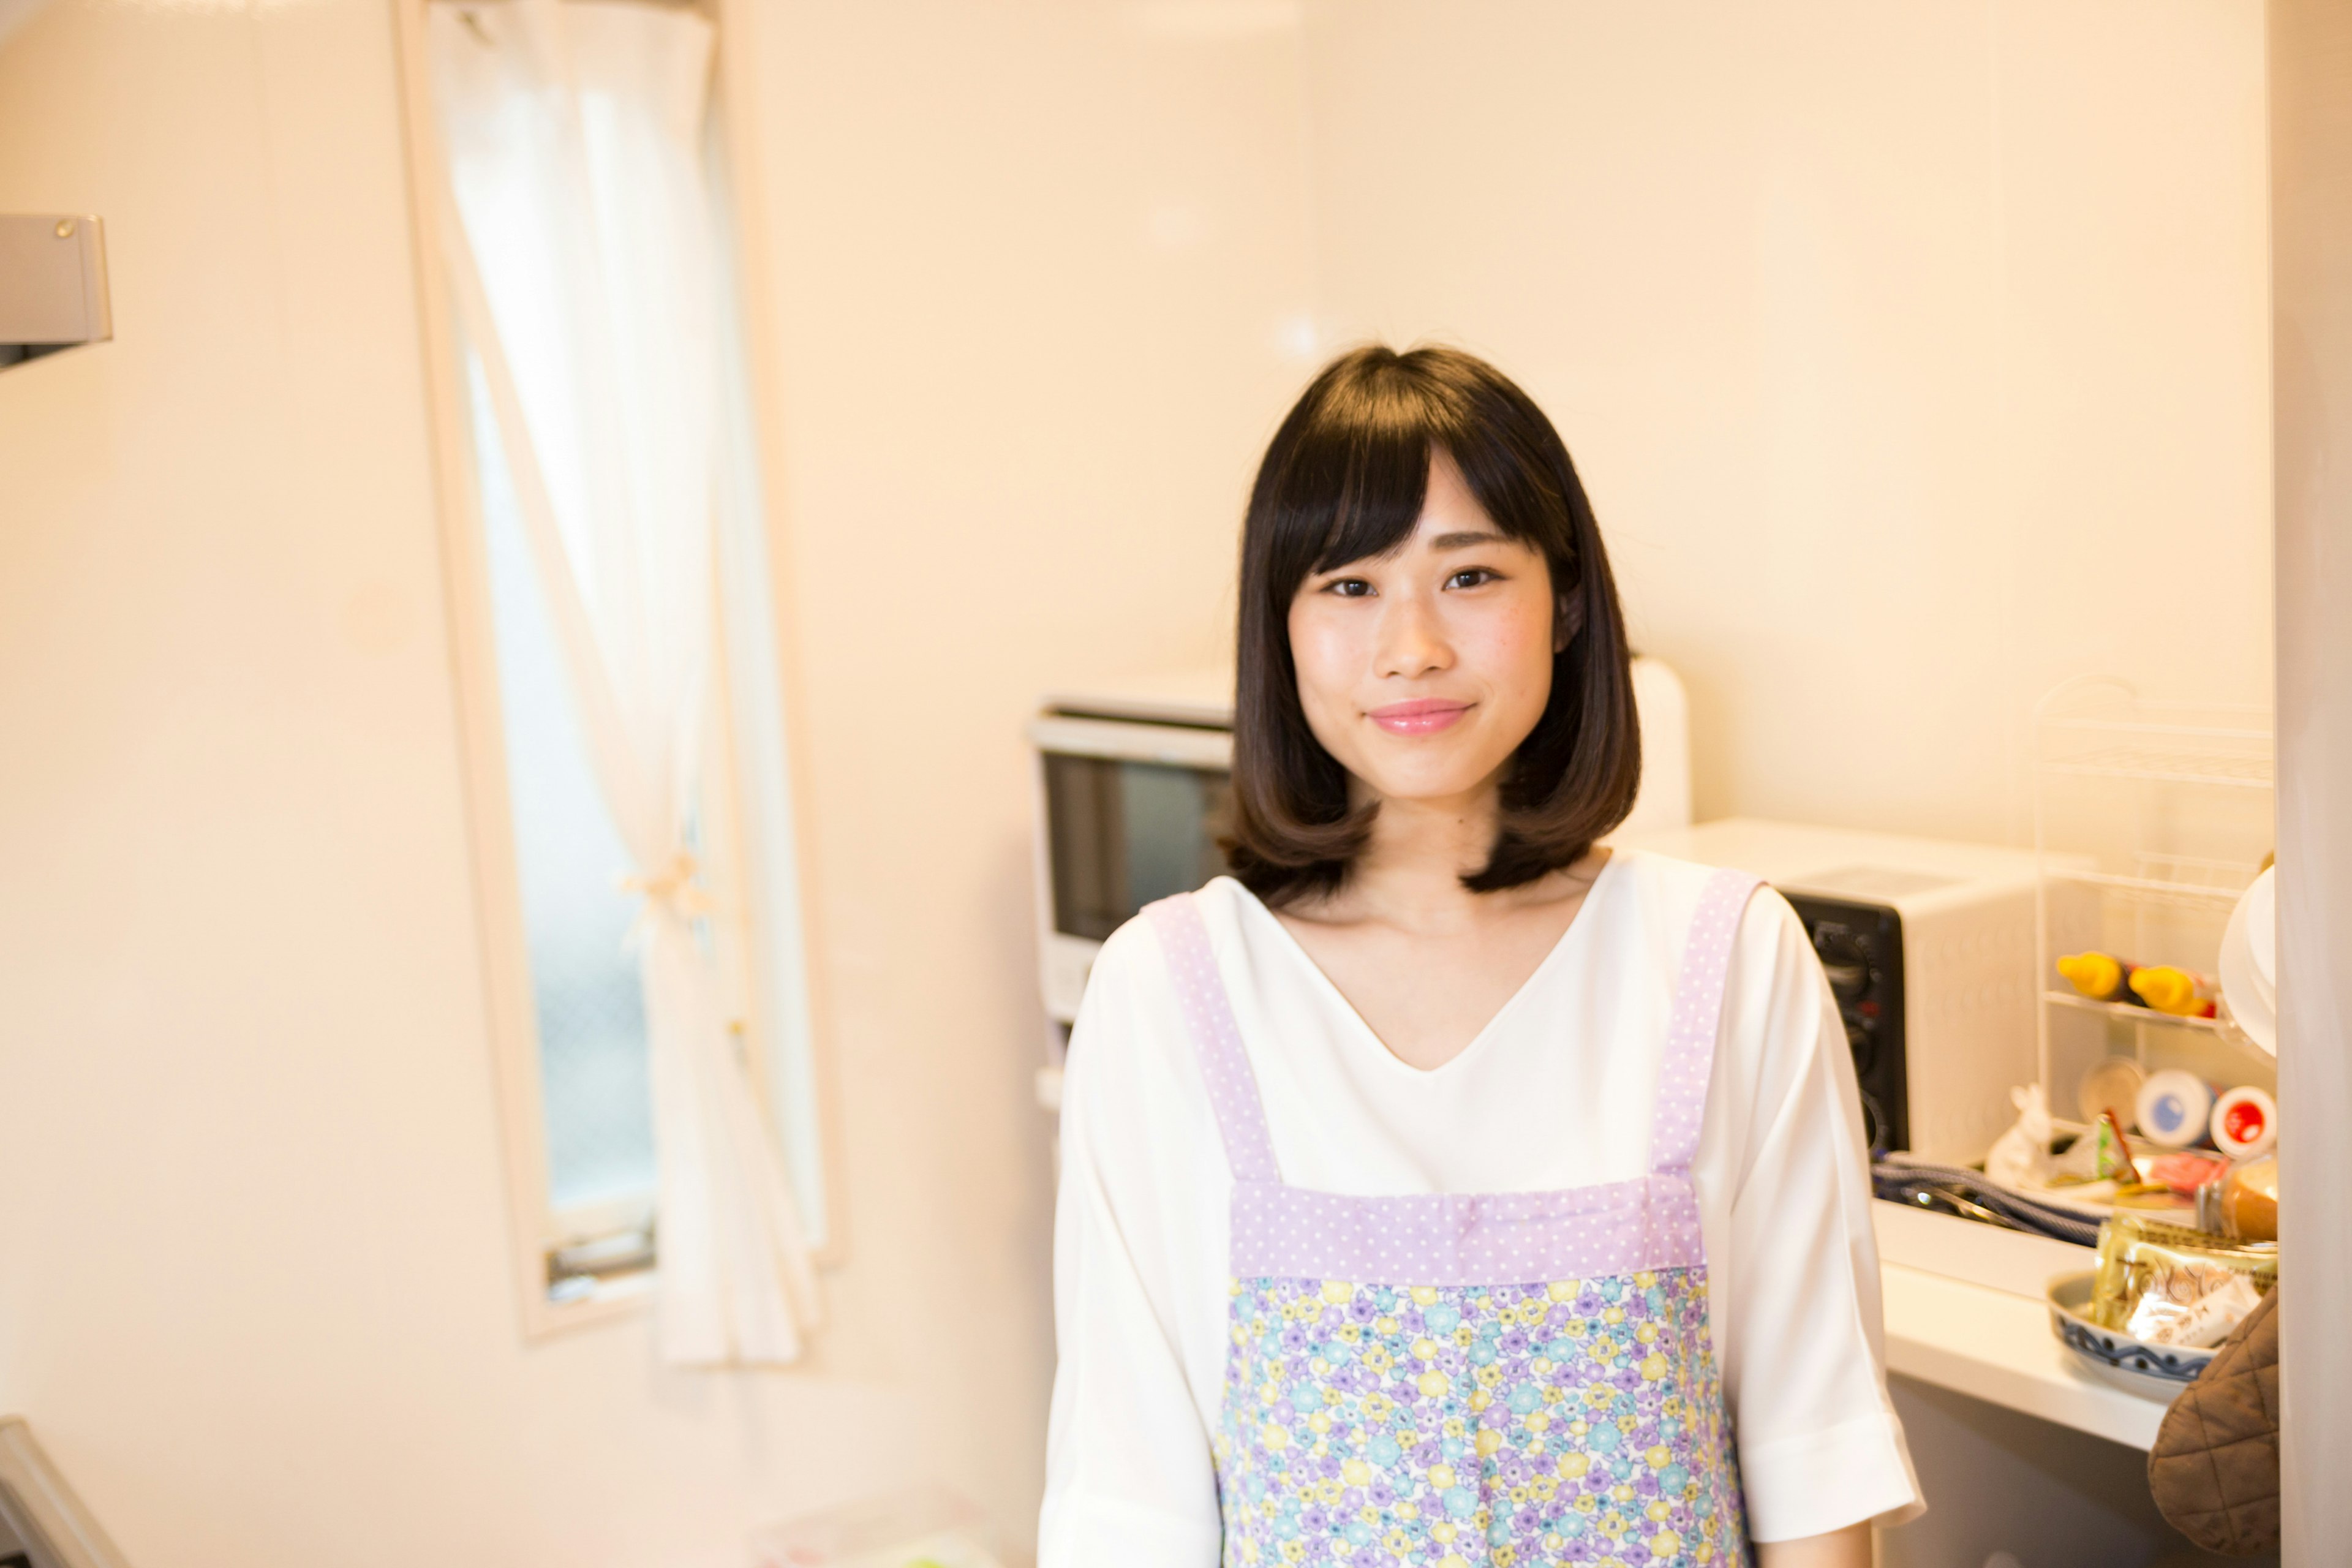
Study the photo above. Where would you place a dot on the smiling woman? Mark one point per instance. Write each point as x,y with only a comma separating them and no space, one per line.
1441,1188
1409,493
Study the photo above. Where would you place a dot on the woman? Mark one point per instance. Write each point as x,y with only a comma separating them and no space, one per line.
1442,1188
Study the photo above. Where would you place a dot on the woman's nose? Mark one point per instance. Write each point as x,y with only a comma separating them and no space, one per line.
1412,642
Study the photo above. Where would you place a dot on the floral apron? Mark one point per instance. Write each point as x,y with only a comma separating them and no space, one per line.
1444,1379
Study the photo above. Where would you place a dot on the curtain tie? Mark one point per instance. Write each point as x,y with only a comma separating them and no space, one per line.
672,890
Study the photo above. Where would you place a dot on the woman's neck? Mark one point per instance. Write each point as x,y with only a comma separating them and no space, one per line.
1409,875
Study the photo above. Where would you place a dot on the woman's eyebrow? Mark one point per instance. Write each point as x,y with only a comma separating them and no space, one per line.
1466,539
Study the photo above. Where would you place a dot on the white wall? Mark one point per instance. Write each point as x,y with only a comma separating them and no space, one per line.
254,1278
1915,356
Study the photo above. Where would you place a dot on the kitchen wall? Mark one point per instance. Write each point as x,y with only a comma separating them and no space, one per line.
1037,267
1913,356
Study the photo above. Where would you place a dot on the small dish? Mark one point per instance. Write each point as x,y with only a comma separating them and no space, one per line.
2157,1372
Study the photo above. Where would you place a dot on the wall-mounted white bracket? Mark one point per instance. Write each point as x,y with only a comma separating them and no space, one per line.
52,285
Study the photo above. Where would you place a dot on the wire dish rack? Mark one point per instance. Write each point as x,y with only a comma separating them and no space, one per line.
2149,820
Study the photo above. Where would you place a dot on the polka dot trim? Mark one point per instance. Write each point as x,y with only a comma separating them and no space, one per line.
1697,1019
1449,1238
1209,1015
1460,1239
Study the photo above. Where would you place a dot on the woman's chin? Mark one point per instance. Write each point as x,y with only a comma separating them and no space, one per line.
1445,786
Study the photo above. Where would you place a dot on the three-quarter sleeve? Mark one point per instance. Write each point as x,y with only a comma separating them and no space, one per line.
1820,1445
1129,1473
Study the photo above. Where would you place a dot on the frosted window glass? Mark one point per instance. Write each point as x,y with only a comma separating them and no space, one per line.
596,1099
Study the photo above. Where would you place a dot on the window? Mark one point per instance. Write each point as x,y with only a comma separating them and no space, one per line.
618,648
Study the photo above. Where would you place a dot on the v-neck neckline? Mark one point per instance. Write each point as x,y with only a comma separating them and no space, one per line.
1370,1038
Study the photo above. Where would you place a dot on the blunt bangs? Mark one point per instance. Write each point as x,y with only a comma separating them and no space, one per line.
1344,480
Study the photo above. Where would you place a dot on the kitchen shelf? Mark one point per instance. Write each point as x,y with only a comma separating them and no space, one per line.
2159,766
2150,818
2153,890
2124,1013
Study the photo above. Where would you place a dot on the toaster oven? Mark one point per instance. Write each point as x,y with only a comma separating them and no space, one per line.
1929,946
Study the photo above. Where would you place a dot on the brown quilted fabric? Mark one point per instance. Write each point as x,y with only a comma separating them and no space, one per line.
2215,1465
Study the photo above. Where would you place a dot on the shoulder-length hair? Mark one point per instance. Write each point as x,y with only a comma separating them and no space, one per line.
1343,480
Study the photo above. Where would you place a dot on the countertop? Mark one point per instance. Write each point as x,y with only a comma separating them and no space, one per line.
1965,1312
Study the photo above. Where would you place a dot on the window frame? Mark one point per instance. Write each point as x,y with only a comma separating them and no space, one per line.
536,1230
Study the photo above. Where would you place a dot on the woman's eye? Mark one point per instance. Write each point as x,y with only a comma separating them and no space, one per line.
1349,588
1472,577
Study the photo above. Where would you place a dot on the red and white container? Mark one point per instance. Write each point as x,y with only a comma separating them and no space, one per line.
2245,1124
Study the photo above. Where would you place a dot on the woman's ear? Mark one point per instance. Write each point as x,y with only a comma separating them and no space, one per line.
1567,620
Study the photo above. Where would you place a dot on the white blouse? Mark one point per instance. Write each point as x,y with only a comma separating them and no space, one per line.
1554,1092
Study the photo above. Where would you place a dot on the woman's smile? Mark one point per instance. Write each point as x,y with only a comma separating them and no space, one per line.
1420,716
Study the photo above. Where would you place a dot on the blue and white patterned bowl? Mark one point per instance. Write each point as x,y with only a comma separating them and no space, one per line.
2160,1370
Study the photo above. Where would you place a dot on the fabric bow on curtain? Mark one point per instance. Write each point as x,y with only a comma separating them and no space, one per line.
581,250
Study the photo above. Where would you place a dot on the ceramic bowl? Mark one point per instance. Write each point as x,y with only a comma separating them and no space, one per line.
2160,1370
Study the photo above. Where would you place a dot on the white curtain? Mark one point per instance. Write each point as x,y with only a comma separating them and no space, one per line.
581,248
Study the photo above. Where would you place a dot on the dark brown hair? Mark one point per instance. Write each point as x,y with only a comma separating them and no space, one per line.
1343,480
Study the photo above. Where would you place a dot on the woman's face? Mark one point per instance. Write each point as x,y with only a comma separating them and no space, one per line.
1423,670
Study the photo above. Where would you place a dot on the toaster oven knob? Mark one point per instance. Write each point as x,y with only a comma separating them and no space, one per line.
1847,979
1864,1041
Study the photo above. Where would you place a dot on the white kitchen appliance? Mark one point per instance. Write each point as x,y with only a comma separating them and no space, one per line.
1929,949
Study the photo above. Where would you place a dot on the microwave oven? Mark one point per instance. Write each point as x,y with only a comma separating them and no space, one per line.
1929,946
1131,788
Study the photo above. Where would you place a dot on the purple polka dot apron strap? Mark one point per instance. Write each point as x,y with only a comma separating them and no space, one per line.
1209,1017
1697,1017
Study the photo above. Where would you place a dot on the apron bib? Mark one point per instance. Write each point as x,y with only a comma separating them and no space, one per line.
1456,1380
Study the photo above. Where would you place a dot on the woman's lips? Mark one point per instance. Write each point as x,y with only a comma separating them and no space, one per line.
1422,716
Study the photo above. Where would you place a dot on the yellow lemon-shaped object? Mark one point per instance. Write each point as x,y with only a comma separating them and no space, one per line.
2168,990
2098,976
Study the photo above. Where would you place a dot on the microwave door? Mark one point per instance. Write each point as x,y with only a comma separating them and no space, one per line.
1123,833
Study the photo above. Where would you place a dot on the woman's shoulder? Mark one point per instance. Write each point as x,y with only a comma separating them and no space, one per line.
1664,894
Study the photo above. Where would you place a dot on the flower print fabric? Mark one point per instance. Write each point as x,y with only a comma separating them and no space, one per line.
1577,1421
1419,1413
